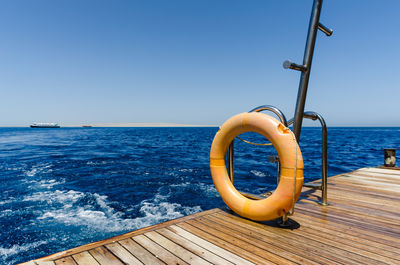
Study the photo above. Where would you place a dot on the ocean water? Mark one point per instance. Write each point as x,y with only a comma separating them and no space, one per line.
61,188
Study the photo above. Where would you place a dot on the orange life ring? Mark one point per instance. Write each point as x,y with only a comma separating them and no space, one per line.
288,150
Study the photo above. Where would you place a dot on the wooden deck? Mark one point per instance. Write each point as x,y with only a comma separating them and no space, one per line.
361,226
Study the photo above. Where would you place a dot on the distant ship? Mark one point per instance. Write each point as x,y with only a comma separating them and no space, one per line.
45,125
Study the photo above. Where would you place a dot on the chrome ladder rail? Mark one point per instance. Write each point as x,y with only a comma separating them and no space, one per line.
324,178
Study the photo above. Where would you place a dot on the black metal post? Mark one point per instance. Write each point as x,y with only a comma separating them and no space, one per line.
307,60
231,165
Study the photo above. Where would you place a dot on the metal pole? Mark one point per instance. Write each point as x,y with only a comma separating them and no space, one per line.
324,162
230,161
324,180
307,60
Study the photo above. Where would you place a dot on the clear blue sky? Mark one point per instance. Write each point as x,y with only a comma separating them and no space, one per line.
194,62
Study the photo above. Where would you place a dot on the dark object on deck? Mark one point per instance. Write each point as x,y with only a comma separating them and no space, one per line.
390,157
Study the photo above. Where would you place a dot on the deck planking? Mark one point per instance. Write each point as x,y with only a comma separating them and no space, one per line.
360,226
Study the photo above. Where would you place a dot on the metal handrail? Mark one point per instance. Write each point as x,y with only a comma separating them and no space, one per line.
274,109
324,178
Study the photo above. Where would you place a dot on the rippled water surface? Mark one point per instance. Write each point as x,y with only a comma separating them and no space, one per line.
61,188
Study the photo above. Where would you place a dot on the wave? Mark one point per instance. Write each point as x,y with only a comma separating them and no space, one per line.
208,189
10,200
58,196
42,168
258,173
94,211
18,250
157,210
50,183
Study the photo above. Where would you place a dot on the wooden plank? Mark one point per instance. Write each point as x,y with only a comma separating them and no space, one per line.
84,258
389,230
343,231
230,246
357,212
289,255
371,230
370,180
178,251
294,242
39,262
123,254
348,227
376,176
379,251
139,252
342,201
363,209
157,250
196,249
373,185
366,189
367,256
388,171
340,188
232,257
379,171
104,257
319,245
338,191
66,261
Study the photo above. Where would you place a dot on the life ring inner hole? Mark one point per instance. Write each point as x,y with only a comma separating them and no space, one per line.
255,166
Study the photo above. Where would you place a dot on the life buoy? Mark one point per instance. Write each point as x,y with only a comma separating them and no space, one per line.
283,140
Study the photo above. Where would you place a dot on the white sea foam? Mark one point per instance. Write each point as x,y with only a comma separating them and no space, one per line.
94,210
55,196
157,210
6,212
185,170
90,163
13,168
208,189
17,249
44,183
48,184
180,185
42,168
11,200
31,172
81,209
258,173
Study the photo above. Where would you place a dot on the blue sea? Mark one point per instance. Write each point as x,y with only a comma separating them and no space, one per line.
61,188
